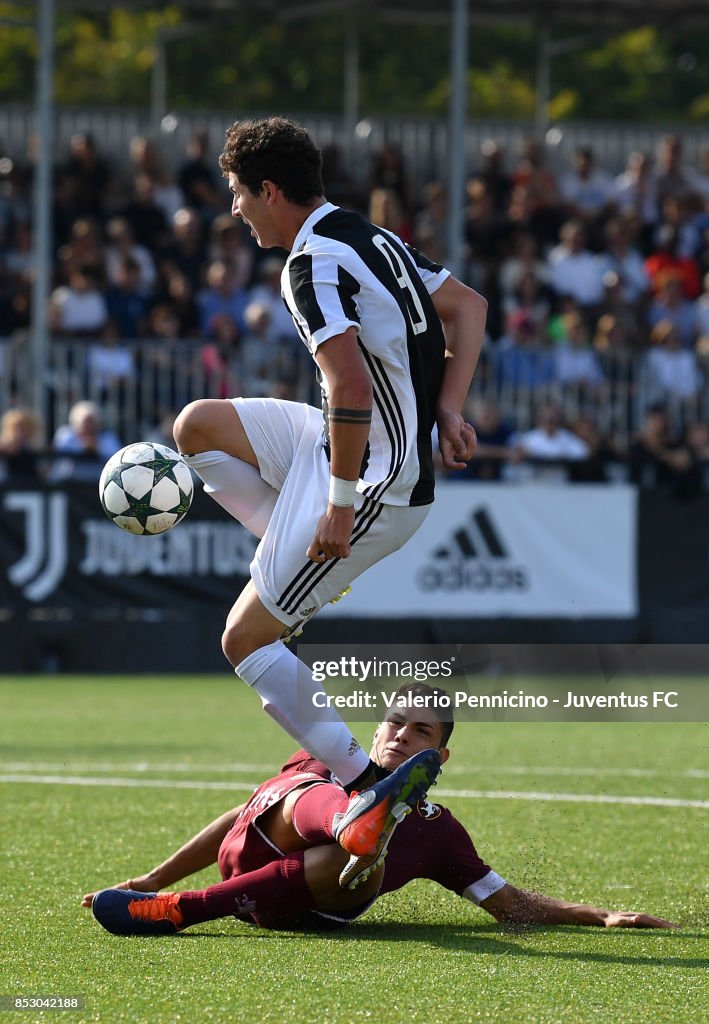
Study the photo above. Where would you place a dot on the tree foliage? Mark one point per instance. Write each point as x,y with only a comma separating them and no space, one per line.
243,62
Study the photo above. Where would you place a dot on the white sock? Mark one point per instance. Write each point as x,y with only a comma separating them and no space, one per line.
237,486
286,687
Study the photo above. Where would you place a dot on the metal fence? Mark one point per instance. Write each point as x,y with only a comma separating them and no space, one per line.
423,140
140,384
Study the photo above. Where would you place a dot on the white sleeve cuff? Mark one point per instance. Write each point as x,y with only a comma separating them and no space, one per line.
434,282
330,331
484,887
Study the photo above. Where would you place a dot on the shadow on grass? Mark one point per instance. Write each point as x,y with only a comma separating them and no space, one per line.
478,939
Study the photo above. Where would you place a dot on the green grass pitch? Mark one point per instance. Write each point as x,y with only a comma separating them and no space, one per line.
101,778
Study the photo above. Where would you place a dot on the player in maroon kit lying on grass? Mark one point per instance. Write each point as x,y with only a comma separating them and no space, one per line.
280,861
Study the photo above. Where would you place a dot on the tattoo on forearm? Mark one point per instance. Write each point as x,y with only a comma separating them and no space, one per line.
358,416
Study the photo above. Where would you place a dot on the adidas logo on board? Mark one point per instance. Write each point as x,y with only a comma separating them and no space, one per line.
476,558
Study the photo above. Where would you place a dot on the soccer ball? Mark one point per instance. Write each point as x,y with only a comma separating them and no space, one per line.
145,488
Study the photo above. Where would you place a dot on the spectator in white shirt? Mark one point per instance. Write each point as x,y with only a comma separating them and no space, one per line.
626,262
121,244
79,308
575,271
672,370
108,362
585,190
85,442
550,442
636,189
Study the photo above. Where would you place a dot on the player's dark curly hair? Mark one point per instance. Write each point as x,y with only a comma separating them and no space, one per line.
443,713
274,149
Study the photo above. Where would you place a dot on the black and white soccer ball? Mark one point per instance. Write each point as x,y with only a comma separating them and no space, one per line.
145,488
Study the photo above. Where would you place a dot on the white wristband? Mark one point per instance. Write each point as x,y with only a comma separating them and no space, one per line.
342,492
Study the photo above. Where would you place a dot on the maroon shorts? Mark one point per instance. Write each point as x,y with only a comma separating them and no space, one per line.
245,848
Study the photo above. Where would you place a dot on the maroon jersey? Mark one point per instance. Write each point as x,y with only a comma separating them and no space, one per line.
429,842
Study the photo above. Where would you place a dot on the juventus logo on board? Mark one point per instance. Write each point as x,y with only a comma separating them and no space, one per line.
41,568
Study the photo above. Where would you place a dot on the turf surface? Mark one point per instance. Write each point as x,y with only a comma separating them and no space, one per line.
162,757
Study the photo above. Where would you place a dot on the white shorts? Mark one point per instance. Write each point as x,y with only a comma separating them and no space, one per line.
287,438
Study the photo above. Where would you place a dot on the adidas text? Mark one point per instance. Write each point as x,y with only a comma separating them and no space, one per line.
473,576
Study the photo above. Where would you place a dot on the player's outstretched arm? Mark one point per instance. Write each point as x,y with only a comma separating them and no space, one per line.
516,906
462,312
199,852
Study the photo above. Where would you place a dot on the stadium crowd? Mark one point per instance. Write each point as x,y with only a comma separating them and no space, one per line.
595,363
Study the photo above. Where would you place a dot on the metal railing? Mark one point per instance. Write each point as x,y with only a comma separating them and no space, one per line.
423,140
139,384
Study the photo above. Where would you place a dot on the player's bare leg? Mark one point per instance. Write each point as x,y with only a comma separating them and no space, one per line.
249,625
214,444
323,867
212,423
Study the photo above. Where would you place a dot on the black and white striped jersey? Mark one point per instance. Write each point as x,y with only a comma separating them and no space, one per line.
345,272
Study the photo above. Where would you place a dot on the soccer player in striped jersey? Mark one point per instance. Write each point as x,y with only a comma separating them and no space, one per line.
395,339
